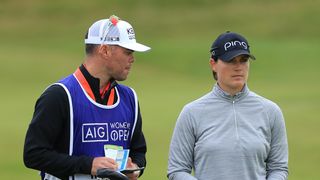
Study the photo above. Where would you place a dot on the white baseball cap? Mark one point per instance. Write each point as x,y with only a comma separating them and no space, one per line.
114,31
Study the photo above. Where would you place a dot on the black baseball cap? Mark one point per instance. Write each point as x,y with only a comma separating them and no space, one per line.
229,45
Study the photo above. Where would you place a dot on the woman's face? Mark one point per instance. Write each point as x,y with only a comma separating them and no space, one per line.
231,75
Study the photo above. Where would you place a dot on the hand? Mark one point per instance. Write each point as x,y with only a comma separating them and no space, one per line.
103,162
131,165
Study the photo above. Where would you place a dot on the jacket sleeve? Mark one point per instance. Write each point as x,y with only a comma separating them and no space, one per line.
46,145
277,162
138,147
182,148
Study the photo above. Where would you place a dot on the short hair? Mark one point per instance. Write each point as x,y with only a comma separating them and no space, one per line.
213,72
89,48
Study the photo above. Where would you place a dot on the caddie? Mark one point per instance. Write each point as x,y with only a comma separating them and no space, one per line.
79,117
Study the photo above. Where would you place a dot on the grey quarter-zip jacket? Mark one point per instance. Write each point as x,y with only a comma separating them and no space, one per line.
223,137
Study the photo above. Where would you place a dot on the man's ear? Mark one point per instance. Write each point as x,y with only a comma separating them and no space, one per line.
104,50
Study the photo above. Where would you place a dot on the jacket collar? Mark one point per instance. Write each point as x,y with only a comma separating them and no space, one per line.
240,95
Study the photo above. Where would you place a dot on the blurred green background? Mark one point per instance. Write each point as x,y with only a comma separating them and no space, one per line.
42,41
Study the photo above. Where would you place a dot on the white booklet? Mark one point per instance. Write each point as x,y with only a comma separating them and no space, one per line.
118,154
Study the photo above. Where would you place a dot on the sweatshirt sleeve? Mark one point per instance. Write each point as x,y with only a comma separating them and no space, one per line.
277,162
138,147
46,145
181,148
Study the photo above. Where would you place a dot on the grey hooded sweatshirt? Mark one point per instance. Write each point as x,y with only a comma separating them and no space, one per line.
221,137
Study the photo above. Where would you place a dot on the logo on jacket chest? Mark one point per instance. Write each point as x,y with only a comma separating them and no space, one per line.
105,132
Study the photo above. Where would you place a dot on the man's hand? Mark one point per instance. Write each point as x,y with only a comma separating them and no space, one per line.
103,162
131,165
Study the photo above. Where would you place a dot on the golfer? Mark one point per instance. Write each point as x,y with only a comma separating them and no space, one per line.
86,114
231,133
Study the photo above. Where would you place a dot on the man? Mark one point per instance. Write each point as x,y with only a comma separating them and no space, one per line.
76,119
231,132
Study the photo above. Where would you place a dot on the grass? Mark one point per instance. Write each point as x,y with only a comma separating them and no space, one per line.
42,42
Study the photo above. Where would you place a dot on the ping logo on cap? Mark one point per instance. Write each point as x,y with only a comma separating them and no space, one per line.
229,44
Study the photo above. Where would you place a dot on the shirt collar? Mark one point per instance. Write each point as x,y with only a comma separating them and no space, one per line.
94,84
238,96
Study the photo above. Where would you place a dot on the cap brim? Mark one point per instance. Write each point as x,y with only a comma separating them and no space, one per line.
230,55
135,46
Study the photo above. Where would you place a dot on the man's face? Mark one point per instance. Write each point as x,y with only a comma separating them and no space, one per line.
232,75
120,63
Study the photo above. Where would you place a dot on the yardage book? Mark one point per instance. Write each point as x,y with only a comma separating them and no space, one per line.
117,153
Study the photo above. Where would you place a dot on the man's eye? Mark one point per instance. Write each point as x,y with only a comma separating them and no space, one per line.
128,52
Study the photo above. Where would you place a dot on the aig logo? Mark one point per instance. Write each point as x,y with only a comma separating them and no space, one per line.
95,132
235,43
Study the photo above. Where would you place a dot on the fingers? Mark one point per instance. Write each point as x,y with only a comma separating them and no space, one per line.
133,176
103,162
131,165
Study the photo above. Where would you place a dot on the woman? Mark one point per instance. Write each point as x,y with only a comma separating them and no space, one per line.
231,133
